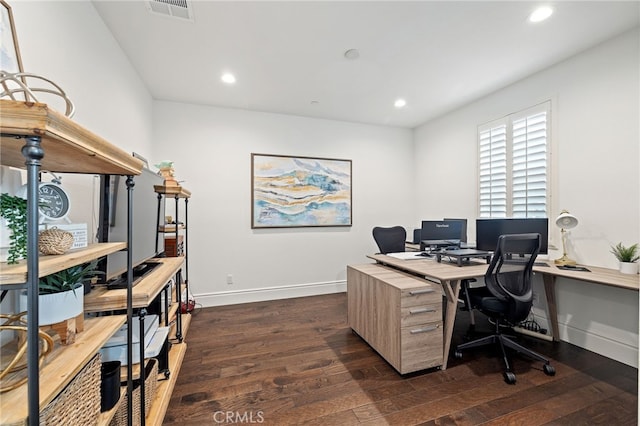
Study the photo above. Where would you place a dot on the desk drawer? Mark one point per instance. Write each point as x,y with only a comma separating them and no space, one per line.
419,296
421,346
414,315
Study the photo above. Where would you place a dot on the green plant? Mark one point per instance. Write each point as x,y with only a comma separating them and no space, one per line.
625,254
68,279
14,210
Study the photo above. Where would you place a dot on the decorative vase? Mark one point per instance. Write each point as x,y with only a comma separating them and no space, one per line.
629,267
57,307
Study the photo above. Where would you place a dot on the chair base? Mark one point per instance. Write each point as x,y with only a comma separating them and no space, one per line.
504,341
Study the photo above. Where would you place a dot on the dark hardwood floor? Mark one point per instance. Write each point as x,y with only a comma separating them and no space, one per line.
295,361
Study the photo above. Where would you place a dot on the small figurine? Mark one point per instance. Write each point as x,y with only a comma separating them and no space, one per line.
166,171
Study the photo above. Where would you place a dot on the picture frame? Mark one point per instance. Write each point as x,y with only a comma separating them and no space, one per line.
10,59
295,192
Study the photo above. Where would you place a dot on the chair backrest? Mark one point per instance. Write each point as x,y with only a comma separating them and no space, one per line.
510,273
390,240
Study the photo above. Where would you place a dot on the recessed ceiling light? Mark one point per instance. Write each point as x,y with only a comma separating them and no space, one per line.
315,102
400,103
540,14
352,54
228,78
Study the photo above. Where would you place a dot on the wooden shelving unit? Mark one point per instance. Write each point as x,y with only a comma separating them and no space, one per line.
36,138
43,139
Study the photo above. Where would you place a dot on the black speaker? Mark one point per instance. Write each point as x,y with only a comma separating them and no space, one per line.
416,236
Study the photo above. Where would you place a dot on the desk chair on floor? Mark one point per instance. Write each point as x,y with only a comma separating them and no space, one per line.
390,240
507,297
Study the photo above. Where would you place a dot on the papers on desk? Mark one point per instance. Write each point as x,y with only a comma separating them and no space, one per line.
407,255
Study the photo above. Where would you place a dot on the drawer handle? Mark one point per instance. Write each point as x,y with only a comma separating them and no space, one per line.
421,311
424,329
422,291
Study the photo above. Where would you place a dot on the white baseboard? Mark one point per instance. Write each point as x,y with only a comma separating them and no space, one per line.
234,297
603,345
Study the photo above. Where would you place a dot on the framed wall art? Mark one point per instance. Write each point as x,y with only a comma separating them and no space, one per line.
9,52
289,191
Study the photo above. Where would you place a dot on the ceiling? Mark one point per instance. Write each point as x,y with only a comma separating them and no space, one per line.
288,56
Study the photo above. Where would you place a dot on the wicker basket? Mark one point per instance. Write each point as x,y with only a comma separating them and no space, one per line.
79,403
150,386
54,241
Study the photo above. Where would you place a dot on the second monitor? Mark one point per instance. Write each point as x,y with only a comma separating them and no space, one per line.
440,233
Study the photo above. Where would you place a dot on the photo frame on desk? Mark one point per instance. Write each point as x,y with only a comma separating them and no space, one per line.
290,192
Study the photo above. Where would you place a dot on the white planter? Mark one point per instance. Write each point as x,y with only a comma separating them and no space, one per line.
629,267
56,307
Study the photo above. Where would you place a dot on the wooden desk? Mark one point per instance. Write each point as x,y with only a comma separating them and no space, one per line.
450,275
604,276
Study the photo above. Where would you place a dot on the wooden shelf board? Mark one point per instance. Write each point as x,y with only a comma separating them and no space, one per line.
165,387
61,366
68,146
179,191
100,299
17,274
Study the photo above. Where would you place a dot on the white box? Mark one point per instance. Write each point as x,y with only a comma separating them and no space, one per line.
78,230
116,347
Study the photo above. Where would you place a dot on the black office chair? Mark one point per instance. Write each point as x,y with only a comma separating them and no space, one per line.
390,240
508,296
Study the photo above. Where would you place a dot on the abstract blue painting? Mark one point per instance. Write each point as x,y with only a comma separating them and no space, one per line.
299,191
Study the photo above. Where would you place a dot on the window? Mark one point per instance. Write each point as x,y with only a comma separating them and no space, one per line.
514,165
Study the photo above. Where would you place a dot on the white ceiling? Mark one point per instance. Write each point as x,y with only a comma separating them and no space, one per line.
437,55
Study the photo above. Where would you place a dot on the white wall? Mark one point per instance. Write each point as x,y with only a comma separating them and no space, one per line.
211,149
68,43
595,133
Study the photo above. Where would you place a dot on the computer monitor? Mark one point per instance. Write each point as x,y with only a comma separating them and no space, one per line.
440,233
463,231
489,230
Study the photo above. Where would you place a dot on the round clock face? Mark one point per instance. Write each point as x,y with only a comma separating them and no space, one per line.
53,200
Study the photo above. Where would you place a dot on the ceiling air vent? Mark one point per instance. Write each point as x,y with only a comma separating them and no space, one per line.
175,8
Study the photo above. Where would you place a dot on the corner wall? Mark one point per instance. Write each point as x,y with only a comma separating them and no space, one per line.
596,176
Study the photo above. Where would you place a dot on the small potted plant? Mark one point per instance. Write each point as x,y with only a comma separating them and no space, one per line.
58,299
628,257
13,211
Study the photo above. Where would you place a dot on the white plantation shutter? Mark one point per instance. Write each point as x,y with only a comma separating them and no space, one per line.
514,165
493,172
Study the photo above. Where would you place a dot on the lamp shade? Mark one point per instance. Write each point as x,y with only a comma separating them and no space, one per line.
566,220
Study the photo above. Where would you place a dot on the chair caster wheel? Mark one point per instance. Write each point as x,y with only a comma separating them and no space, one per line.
457,355
549,370
509,377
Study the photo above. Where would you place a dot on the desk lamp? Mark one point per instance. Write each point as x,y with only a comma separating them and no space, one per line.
565,221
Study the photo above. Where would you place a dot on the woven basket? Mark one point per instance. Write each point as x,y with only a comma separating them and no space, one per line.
79,403
150,387
54,241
